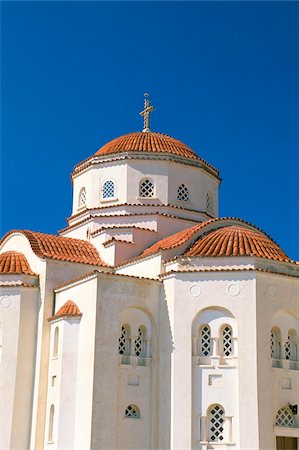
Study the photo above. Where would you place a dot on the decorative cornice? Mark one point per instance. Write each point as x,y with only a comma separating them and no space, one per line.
124,156
89,219
95,274
219,270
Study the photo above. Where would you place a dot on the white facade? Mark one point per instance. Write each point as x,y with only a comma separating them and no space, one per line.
166,349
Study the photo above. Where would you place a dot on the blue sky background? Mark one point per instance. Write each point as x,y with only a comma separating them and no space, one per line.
223,76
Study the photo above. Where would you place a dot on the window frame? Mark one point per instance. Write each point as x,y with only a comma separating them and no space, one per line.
209,202
55,348
135,415
183,186
212,424
80,204
222,341
142,181
107,199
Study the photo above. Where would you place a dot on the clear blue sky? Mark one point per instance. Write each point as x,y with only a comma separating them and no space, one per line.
223,76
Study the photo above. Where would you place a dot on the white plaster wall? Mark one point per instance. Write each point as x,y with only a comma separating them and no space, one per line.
19,326
155,170
111,390
62,392
147,267
57,272
183,304
135,385
277,304
198,182
127,175
10,318
84,295
80,232
93,178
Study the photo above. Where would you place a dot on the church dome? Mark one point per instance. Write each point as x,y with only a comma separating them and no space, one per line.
237,241
14,263
149,142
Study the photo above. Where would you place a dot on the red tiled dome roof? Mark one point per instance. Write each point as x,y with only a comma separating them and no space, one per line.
69,309
152,142
237,241
14,263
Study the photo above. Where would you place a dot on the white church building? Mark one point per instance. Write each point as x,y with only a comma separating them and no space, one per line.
148,322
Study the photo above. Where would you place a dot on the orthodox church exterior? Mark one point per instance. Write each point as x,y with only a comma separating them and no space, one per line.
148,322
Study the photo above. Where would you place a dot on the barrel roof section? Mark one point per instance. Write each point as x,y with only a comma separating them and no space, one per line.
60,248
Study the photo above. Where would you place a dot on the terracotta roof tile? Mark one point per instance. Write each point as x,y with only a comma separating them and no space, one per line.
69,309
147,142
236,241
61,248
14,263
226,240
175,240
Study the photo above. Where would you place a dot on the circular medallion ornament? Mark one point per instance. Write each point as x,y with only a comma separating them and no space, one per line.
233,289
271,291
195,290
5,302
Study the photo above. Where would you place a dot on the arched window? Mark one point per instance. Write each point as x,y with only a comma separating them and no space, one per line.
285,418
51,423
227,341
132,411
209,202
124,340
82,197
56,342
287,349
147,188
108,189
216,423
205,340
140,342
293,346
275,343
183,193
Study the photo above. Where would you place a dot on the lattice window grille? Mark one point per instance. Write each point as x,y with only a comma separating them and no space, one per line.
287,349
227,341
82,200
272,344
183,193
108,189
205,341
217,420
123,342
284,418
132,411
147,188
139,342
209,202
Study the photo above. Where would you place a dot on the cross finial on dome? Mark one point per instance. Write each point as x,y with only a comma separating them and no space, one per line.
146,113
